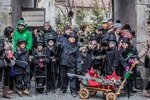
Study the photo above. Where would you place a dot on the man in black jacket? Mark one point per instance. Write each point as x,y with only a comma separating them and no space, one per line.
48,31
70,63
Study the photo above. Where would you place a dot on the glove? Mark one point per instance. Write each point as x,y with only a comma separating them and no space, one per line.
93,58
12,62
58,44
98,57
82,62
40,60
127,68
27,70
41,65
130,60
53,59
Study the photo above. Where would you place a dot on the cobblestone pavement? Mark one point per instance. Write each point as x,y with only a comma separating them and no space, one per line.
67,96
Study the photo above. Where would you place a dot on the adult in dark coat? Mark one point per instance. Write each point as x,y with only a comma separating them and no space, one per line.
70,63
5,60
105,37
38,35
48,31
62,40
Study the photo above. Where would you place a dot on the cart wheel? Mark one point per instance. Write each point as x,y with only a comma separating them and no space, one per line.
111,96
84,93
93,93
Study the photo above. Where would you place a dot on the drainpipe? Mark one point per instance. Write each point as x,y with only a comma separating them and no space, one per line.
112,9
35,3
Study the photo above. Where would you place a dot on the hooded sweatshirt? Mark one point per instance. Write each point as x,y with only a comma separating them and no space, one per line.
24,33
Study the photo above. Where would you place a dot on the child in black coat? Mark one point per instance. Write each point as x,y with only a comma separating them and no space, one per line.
70,63
86,59
113,57
22,68
129,53
52,54
39,61
96,52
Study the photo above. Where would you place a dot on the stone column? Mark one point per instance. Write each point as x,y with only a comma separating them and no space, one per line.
5,14
17,9
141,21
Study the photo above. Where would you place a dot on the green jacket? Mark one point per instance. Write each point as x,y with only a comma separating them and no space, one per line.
24,34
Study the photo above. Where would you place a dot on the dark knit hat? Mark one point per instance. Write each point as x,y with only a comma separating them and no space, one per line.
20,41
100,28
125,39
51,37
93,37
67,27
39,43
72,34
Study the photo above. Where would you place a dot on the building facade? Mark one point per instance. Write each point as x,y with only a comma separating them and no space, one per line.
134,13
10,12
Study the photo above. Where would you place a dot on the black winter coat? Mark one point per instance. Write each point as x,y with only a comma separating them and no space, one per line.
70,56
53,52
112,60
21,64
47,33
39,55
96,55
123,56
86,62
105,38
129,50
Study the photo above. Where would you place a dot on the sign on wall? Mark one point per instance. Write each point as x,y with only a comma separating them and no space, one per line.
34,16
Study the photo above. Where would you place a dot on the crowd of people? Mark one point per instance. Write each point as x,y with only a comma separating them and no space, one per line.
111,47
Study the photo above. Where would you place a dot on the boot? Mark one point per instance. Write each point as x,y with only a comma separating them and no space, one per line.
145,93
20,93
26,92
134,89
5,92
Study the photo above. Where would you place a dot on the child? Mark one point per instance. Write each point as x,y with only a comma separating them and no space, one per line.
51,52
113,57
129,53
39,59
22,68
70,63
96,52
85,59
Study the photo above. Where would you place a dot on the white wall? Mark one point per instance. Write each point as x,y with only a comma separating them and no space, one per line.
50,11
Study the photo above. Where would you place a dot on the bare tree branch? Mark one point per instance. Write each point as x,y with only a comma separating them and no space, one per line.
60,10
104,7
